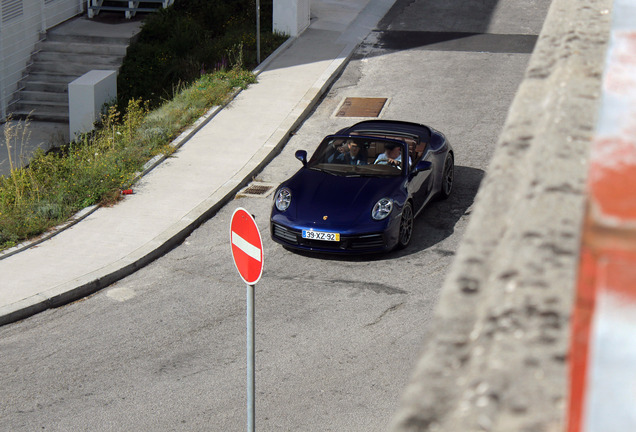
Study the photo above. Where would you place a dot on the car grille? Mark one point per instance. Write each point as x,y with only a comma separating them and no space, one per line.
359,243
285,234
367,241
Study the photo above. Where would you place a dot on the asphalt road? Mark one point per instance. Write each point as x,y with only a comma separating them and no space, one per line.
336,338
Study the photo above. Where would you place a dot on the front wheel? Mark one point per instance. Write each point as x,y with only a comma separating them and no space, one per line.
406,226
448,176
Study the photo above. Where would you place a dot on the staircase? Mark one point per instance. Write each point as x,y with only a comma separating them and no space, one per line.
129,7
68,52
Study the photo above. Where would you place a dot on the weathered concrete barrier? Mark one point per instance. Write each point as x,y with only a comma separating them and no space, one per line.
291,16
497,357
87,95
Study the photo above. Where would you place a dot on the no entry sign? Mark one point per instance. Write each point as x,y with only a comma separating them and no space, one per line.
247,250
247,246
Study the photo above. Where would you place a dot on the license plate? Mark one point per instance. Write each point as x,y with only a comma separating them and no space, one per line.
321,235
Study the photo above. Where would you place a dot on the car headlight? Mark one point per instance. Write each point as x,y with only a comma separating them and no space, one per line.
282,199
382,209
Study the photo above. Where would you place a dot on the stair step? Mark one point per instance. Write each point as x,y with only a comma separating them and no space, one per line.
51,78
67,57
116,49
122,9
40,115
70,69
42,111
29,105
39,86
52,36
43,96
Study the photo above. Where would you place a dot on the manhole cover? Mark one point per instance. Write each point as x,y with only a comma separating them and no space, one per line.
255,189
361,107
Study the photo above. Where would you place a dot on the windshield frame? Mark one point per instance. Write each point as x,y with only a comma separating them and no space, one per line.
333,157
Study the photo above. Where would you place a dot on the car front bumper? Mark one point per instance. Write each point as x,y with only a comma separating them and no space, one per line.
352,243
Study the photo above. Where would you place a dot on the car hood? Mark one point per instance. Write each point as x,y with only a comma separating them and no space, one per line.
323,200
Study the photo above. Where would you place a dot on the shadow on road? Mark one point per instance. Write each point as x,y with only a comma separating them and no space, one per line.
442,25
440,15
437,221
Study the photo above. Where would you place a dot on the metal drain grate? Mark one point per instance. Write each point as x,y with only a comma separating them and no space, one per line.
361,107
255,189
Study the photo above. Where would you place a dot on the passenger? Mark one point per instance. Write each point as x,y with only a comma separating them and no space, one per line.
392,155
334,151
354,155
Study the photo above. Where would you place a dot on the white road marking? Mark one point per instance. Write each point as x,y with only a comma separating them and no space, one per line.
246,246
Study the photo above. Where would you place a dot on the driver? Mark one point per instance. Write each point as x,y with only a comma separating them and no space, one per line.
392,155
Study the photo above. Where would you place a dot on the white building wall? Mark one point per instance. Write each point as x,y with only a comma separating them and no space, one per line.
58,11
22,24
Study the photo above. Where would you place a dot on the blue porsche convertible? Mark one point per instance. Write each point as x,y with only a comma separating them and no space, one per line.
361,189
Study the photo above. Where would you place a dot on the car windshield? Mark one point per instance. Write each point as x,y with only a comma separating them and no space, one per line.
358,156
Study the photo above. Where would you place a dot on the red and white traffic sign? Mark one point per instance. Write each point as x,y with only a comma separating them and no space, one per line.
247,246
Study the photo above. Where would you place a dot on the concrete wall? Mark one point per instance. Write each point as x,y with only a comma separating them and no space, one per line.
497,357
290,16
87,96
20,31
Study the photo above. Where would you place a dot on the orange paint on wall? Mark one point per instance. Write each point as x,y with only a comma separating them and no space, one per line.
613,177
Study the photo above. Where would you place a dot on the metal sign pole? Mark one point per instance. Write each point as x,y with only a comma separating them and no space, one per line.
258,32
250,358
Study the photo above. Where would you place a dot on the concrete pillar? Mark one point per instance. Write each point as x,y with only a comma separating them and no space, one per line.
86,98
291,16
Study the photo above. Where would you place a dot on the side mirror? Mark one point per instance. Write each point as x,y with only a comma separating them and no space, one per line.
301,155
423,166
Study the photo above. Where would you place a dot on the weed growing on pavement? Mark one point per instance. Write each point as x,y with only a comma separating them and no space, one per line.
95,167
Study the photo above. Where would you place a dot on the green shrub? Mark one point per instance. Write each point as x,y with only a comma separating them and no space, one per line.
180,43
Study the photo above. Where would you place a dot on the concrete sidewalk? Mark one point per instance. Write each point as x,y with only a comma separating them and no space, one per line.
219,156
